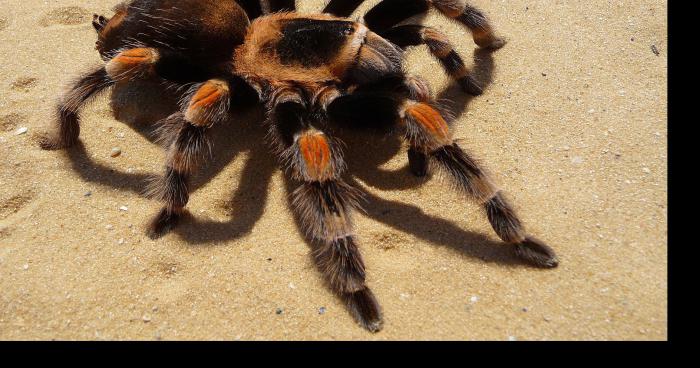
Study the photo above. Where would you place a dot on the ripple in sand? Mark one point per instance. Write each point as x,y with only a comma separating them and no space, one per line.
68,16
11,121
14,204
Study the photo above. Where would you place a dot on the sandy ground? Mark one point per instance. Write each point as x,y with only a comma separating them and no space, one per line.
572,123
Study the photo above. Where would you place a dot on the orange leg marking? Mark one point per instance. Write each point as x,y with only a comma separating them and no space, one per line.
431,120
204,101
130,62
316,154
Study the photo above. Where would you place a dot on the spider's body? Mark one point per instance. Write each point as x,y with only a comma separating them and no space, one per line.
310,70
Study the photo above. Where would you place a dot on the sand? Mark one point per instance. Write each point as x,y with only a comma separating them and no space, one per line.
572,124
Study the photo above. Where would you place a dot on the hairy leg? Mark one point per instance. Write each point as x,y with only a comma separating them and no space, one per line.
342,8
70,105
185,136
474,19
427,131
440,46
389,13
252,8
323,202
430,142
282,5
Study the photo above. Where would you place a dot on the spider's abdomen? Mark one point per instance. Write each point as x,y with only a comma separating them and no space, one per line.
206,31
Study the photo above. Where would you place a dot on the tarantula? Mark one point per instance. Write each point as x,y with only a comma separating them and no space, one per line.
310,70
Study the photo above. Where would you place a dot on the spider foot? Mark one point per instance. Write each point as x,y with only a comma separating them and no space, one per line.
165,221
51,142
493,43
537,253
365,308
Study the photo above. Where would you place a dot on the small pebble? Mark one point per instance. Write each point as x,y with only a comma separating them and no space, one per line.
121,241
474,299
321,310
123,208
524,309
26,266
576,160
655,50
278,311
21,130
109,227
646,170
292,286
146,318
87,194
269,259
115,152
512,338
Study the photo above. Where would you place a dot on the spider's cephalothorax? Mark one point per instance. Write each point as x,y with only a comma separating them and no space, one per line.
310,71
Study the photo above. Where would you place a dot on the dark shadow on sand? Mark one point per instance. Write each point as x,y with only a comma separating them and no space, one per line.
245,133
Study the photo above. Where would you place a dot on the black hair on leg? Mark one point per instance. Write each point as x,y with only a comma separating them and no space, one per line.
389,13
252,8
474,19
342,8
185,134
323,203
70,105
282,5
428,133
440,47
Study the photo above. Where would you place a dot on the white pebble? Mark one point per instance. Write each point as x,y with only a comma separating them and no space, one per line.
512,338
576,160
123,208
115,152
26,266
21,130
474,299
109,227
121,241
291,286
646,170
146,318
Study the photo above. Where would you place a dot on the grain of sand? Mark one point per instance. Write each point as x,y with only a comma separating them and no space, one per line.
572,124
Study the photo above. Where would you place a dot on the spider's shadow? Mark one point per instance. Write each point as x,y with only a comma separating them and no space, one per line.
247,202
